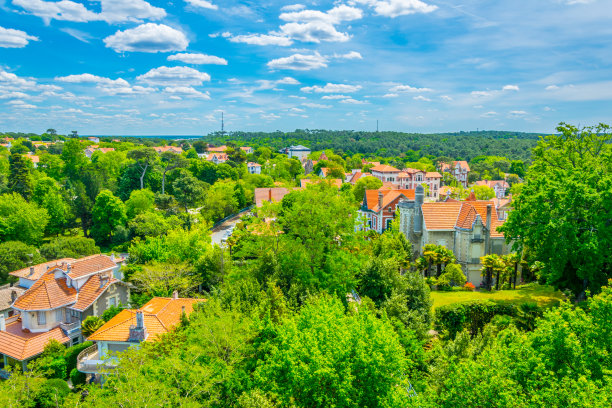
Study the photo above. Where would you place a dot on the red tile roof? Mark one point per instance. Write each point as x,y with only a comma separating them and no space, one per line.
160,316
270,195
39,269
384,168
91,291
440,216
306,181
90,265
389,196
21,345
462,214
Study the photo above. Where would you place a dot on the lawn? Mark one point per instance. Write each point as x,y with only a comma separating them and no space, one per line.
543,295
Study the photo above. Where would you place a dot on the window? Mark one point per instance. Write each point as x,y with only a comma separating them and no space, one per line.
112,301
59,315
41,318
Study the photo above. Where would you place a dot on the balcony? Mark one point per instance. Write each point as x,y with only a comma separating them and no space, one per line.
89,362
71,328
477,238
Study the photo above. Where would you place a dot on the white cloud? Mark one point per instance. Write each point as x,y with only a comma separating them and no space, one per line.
335,97
510,88
269,116
148,37
174,76
349,55
552,87
446,98
10,38
299,62
421,98
396,8
517,113
261,39
91,79
11,82
409,89
489,114
293,7
390,95
316,105
482,93
21,104
14,95
334,16
78,34
314,31
112,11
186,91
199,59
353,101
332,88
202,4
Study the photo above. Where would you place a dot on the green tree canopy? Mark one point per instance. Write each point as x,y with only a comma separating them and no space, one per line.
20,220
107,214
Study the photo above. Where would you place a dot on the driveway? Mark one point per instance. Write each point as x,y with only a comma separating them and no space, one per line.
219,232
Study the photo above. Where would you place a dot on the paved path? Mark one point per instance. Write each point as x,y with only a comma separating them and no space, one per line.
220,230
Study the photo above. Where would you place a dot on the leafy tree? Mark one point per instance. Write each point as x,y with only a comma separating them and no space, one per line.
52,393
51,362
69,247
162,279
323,357
171,161
189,192
452,274
20,220
564,209
363,184
15,255
221,201
483,192
140,201
74,159
152,224
111,312
20,180
107,214
144,159
491,264
82,206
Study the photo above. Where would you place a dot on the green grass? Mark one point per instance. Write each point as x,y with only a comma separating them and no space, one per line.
541,294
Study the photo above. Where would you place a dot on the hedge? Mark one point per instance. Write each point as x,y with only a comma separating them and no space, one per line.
474,315
72,353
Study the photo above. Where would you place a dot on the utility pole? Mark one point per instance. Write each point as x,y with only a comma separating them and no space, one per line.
222,125
376,125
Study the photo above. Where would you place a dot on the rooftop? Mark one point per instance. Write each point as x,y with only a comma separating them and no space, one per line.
384,168
21,345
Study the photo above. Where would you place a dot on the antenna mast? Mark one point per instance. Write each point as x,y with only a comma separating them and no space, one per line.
376,125
222,125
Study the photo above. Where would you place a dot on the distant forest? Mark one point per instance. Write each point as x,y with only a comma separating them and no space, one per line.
459,145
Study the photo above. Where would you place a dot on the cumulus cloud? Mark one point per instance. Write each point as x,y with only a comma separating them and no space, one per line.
390,95
198,59
332,88
11,82
293,7
14,95
349,55
314,31
109,86
174,76
112,11
446,98
202,4
409,89
299,62
10,38
421,98
148,37
261,39
353,101
336,15
482,93
21,104
510,88
186,91
396,8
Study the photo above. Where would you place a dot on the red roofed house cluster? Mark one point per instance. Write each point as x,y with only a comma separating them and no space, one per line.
468,228
459,169
379,206
408,179
58,296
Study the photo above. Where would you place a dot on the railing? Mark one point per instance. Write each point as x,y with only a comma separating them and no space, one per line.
88,361
70,328
12,319
477,239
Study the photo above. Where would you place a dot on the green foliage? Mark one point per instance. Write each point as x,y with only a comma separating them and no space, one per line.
363,184
568,193
16,255
159,279
77,378
323,357
90,325
52,363
140,201
68,247
20,220
483,192
108,213
72,353
111,312
52,393
152,224
20,180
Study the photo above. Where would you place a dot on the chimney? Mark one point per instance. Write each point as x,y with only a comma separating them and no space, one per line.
488,231
68,268
112,257
13,295
380,200
31,270
175,294
417,222
138,332
2,323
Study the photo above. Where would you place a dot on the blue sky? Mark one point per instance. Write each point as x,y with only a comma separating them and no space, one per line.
138,67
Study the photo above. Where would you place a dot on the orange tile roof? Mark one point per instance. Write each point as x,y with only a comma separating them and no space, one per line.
33,157
219,149
161,149
441,216
389,196
46,293
89,265
39,269
91,291
160,316
21,345
433,174
270,194
384,168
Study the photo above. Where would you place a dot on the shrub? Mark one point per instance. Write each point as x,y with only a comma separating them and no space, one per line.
52,393
90,325
472,316
77,377
469,286
111,312
72,353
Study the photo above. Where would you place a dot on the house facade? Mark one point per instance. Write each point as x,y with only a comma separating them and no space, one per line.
459,169
500,187
247,149
130,328
254,168
57,297
217,158
299,152
379,207
468,228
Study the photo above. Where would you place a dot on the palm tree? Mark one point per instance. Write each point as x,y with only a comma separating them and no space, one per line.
430,253
90,325
445,256
491,263
512,261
